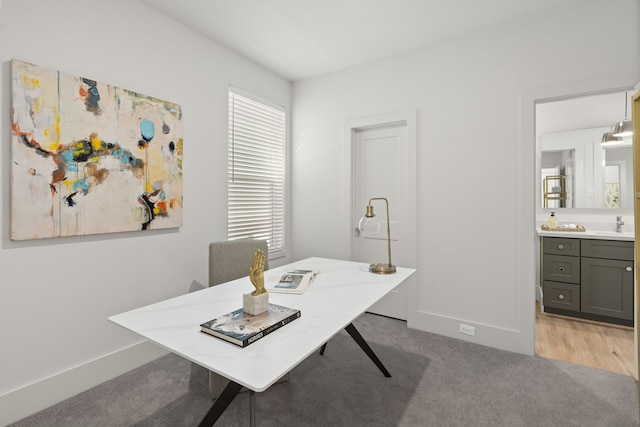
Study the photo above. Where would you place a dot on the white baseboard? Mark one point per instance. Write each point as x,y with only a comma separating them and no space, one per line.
32,398
490,336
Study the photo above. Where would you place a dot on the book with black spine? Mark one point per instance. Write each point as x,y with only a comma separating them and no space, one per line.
242,328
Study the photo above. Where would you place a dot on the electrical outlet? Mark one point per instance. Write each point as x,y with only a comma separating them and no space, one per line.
466,329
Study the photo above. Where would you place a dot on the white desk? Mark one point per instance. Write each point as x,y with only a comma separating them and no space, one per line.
339,294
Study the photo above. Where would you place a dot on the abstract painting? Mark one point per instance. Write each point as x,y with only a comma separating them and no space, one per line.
90,158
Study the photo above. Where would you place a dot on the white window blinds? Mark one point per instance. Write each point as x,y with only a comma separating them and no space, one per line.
256,204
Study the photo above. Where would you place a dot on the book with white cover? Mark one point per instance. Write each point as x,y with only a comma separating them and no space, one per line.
291,282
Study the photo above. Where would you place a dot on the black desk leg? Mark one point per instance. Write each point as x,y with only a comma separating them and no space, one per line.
221,403
252,408
363,345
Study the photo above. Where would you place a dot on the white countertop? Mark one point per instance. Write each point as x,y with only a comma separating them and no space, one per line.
589,234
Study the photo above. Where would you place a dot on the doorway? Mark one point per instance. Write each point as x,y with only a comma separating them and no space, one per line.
382,164
595,193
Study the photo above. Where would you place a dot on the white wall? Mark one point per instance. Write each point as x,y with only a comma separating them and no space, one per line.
475,127
56,295
475,101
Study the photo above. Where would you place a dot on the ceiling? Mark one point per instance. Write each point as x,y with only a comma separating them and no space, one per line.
299,39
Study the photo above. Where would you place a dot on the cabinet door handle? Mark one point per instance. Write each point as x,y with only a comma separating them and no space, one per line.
560,246
629,269
560,296
561,269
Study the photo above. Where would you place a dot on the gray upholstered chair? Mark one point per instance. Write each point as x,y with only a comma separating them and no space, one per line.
231,260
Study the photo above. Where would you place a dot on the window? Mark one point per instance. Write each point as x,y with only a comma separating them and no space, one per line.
256,181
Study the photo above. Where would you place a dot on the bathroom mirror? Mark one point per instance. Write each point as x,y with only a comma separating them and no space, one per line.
575,170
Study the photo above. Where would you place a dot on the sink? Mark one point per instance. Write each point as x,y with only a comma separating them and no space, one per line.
613,233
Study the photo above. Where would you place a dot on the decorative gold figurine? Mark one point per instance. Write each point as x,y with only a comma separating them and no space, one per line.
256,273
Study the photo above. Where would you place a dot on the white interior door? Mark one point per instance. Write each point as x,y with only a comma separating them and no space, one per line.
380,156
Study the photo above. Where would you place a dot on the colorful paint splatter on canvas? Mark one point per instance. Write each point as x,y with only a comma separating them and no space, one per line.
90,158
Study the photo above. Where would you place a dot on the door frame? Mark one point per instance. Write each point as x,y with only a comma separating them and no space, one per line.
635,117
406,118
529,240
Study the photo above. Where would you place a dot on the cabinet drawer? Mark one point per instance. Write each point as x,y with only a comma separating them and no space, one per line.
561,246
561,295
608,249
559,268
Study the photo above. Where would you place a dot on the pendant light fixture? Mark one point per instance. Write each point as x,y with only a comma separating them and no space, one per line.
625,127
608,138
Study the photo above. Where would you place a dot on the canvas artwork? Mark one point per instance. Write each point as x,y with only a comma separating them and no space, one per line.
90,158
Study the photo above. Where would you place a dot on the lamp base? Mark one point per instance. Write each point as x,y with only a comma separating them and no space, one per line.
381,268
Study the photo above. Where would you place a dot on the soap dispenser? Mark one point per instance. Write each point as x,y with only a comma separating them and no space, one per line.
553,221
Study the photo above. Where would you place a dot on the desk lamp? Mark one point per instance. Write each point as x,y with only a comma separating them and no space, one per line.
369,225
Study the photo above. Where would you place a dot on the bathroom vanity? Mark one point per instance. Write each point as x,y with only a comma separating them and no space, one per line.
588,275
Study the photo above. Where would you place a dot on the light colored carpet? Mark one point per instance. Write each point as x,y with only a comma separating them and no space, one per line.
436,381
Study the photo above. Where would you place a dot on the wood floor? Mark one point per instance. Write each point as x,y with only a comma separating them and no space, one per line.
585,343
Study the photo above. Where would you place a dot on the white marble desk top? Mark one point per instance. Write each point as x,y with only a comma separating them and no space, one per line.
339,294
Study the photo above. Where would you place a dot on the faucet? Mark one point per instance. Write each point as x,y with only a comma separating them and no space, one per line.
619,224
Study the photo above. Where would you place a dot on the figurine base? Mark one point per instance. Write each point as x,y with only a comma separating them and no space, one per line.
255,304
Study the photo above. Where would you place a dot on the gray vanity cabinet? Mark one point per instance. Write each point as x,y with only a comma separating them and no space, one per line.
607,278
561,273
588,278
